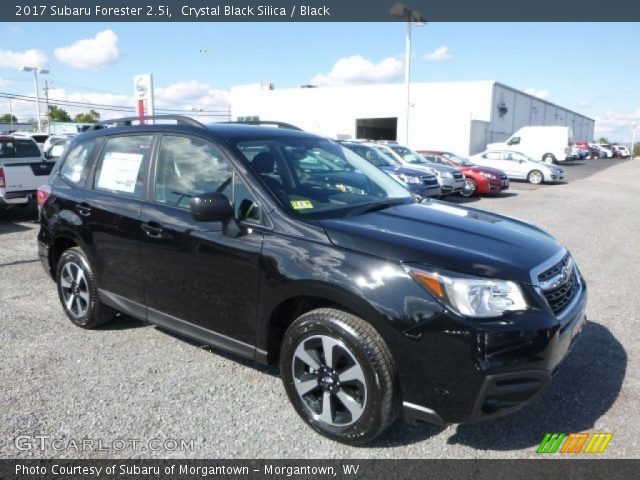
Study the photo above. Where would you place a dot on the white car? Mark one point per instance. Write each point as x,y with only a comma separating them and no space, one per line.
622,151
606,148
518,166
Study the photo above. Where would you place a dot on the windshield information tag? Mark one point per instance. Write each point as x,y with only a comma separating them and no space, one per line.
301,204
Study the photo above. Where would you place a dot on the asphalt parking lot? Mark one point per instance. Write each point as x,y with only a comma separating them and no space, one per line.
128,383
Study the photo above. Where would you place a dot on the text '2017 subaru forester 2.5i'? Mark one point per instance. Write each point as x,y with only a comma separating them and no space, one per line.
371,303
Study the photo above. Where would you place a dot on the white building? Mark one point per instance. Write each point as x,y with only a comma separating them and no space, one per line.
458,116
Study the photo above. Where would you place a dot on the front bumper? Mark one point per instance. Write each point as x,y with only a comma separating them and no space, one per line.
15,198
425,191
454,371
450,186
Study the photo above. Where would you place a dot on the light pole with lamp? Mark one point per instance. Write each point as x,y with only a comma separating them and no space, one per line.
36,71
413,18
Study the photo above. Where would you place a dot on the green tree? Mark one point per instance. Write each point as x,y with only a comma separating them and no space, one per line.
8,118
602,140
58,114
636,149
91,117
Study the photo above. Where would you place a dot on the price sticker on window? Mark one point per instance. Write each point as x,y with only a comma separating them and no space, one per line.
301,204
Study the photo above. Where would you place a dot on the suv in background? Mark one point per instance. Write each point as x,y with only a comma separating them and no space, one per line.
451,179
22,170
420,183
372,303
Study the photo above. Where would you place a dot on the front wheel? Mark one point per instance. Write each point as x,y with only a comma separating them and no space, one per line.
78,291
535,177
470,189
339,375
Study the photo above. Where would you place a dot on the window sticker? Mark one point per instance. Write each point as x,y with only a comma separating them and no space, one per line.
120,171
301,204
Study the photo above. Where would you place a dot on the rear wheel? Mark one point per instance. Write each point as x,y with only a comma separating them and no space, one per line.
535,177
548,158
339,376
470,188
78,291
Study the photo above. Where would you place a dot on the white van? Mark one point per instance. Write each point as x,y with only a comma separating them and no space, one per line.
547,143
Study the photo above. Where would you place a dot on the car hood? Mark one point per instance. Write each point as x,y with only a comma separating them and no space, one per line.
436,166
481,169
412,172
449,237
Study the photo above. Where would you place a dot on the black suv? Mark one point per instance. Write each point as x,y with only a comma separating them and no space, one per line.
240,237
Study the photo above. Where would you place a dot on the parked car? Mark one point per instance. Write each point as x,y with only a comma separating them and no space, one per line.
39,137
606,149
519,166
621,151
22,170
596,152
420,183
451,179
581,150
477,179
547,143
371,302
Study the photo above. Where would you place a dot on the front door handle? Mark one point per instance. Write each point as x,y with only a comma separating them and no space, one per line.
152,229
83,209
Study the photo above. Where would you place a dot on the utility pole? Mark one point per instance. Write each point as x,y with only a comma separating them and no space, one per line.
46,96
10,115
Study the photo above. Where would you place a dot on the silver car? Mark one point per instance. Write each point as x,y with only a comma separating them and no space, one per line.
519,166
451,179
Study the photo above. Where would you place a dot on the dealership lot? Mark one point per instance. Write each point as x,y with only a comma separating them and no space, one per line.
135,383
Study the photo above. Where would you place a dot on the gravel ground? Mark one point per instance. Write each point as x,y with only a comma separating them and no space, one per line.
127,383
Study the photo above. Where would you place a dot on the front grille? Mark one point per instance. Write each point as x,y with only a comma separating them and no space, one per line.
561,290
430,181
503,176
458,176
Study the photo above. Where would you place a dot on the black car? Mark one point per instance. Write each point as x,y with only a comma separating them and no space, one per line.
371,302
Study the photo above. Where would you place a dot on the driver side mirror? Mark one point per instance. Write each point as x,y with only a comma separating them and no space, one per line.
211,207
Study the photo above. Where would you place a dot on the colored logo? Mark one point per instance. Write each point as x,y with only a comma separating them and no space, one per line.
574,443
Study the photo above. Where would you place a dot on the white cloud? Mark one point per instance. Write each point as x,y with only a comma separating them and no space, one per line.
90,53
438,55
191,94
538,92
4,82
616,126
357,70
29,58
584,104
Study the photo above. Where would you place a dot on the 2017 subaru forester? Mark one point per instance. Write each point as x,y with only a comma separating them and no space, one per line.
371,302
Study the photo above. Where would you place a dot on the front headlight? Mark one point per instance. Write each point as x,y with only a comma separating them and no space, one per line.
490,176
447,175
408,179
471,296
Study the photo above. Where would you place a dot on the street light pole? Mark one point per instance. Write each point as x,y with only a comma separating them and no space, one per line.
413,18
35,71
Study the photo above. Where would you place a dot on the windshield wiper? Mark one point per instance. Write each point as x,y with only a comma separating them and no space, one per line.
373,207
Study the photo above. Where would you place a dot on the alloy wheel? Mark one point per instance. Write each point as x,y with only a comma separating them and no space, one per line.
329,380
75,290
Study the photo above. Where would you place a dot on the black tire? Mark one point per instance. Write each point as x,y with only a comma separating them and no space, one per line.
380,402
471,191
535,176
548,158
86,310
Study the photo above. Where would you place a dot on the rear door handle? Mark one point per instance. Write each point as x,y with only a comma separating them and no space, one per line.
83,209
152,229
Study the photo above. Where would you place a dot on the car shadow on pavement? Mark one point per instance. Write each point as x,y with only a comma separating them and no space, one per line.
122,322
585,388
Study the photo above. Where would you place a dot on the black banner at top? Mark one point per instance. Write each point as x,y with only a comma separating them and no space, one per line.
316,10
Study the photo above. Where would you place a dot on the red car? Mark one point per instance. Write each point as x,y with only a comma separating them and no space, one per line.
477,179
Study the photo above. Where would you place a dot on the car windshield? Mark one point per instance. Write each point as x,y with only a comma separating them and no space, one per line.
375,157
18,148
319,178
458,160
407,154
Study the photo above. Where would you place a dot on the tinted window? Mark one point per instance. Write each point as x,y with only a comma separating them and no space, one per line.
120,168
18,148
373,156
74,169
188,167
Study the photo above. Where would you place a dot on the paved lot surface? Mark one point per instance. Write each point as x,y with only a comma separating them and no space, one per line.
133,383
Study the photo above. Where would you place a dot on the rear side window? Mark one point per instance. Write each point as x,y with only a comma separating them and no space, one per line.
74,169
120,167
18,148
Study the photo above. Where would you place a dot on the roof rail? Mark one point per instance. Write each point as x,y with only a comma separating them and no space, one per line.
266,122
126,121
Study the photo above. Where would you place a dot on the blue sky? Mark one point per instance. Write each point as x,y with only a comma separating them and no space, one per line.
591,68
